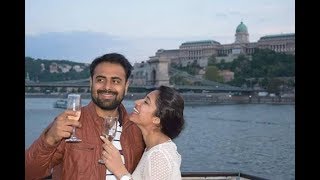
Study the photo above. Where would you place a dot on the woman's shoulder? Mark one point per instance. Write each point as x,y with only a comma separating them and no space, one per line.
165,149
165,154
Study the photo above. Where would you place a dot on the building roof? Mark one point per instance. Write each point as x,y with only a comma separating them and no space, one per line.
203,42
242,28
278,36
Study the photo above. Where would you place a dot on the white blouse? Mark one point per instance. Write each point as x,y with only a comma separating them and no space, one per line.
161,162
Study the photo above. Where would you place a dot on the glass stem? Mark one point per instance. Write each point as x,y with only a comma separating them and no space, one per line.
73,131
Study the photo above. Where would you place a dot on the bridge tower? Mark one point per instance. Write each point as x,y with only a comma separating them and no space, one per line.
159,71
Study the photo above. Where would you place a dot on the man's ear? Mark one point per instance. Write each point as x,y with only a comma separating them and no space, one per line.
90,85
127,86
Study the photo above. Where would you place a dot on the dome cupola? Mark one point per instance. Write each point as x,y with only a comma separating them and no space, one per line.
242,35
242,28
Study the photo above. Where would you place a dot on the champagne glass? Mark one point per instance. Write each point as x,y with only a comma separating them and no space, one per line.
74,104
110,125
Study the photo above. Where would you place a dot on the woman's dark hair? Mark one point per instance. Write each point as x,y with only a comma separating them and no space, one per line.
170,105
114,58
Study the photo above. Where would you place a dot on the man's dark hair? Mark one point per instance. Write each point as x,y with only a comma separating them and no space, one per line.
113,58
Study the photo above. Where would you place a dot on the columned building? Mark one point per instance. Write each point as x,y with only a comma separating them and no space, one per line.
279,43
199,51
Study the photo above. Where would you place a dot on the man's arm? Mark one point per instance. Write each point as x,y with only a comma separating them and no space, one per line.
41,157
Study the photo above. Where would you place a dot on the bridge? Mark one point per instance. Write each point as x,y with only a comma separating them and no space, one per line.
209,86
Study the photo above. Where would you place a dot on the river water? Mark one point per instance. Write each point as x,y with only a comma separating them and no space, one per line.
256,139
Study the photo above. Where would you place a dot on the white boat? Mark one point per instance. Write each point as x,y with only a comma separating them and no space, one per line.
60,103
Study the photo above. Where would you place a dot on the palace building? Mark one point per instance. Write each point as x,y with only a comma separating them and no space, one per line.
154,72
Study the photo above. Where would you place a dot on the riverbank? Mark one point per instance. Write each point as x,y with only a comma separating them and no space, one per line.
192,98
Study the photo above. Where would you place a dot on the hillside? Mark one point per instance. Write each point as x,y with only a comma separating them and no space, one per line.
40,70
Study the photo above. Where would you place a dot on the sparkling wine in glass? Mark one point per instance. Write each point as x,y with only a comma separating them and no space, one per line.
74,104
110,125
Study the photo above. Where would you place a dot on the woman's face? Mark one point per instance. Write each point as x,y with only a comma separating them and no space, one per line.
143,112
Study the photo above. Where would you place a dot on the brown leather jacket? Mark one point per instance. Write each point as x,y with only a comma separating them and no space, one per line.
80,160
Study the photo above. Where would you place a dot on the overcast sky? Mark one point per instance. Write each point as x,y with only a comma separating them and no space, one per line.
154,24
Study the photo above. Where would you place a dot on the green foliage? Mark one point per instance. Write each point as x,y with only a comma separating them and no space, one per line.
266,65
192,68
265,68
212,61
179,80
239,81
274,85
223,65
37,73
212,74
241,66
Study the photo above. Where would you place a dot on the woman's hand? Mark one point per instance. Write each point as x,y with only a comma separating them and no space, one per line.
112,158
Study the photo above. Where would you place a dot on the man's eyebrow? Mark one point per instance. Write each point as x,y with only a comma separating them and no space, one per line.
116,77
100,76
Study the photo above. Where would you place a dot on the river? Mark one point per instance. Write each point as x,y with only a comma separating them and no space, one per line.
256,139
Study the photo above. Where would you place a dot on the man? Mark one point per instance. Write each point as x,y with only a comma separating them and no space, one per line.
50,154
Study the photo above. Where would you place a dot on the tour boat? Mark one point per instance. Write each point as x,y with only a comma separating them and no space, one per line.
60,103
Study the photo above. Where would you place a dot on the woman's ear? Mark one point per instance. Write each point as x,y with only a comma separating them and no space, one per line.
156,120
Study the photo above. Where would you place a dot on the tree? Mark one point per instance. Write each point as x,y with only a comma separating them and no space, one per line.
212,60
212,74
274,86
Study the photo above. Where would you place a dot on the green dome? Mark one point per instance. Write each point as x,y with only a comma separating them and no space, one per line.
242,28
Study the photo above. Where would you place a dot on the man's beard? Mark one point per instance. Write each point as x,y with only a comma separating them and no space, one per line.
107,104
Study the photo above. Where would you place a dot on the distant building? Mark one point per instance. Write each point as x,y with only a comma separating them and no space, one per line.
199,52
27,79
53,68
42,66
77,68
64,68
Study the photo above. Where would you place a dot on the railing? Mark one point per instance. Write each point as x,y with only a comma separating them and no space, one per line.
212,175
219,176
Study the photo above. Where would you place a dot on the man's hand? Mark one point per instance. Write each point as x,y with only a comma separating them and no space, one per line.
62,126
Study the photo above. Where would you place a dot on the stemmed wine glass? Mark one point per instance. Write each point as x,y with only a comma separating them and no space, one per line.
74,104
110,125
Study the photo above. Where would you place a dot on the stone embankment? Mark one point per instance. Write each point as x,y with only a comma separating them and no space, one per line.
193,98
224,98
211,99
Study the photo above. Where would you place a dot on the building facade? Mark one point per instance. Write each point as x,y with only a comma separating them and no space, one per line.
200,51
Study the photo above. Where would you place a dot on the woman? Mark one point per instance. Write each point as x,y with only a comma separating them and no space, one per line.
160,118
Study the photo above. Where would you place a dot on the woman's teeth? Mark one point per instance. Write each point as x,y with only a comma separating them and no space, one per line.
135,110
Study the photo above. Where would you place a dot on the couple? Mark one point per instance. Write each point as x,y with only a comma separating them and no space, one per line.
144,149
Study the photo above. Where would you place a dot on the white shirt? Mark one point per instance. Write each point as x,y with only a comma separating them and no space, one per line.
161,162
